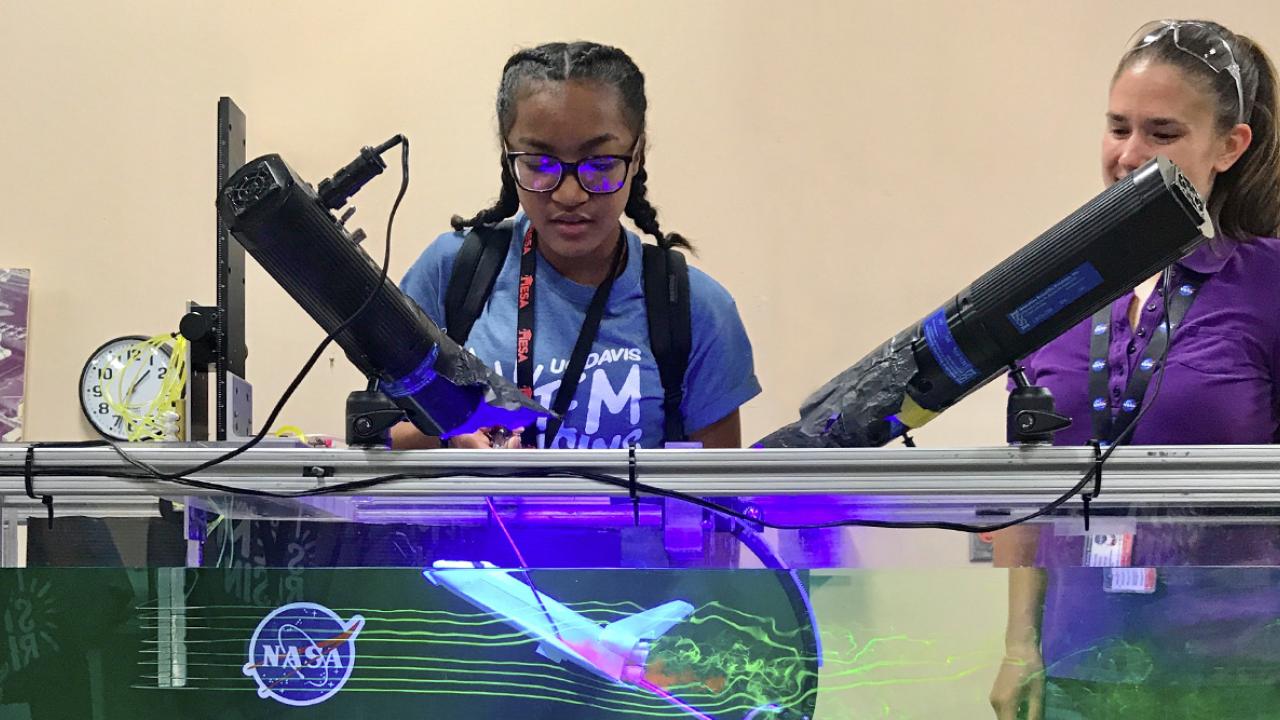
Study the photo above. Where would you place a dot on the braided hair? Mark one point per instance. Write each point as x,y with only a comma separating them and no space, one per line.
559,62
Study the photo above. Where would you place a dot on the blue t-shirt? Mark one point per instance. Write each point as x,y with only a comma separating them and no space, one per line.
619,396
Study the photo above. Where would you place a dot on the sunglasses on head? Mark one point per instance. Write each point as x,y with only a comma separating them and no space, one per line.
1198,40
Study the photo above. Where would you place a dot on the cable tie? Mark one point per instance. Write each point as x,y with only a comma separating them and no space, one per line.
28,478
632,485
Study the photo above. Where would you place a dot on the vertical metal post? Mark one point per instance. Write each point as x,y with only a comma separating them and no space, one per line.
230,349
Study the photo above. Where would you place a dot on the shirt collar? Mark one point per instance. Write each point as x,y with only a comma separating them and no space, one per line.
1209,257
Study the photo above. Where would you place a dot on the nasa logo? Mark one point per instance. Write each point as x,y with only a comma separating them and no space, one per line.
302,653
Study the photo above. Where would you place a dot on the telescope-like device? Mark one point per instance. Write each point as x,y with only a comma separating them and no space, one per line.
290,229
1128,233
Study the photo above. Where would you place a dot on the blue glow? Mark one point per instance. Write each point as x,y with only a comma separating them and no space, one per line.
896,426
416,380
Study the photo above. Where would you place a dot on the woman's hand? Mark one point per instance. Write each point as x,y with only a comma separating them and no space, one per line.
1019,684
404,436
484,439
1018,691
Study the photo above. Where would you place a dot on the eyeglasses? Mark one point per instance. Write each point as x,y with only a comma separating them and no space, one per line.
1198,40
597,174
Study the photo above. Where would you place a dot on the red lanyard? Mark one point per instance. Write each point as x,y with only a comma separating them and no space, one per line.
525,332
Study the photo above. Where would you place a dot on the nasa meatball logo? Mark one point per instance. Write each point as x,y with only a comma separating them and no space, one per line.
302,653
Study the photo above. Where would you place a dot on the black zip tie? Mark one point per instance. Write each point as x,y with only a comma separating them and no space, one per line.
1097,467
1087,497
28,478
632,485
908,440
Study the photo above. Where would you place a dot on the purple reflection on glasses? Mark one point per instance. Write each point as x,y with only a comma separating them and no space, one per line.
598,174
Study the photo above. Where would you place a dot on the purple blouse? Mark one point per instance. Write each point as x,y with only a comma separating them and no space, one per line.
1219,385
1201,625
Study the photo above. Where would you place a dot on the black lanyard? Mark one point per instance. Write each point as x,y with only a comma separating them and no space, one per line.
586,336
1106,425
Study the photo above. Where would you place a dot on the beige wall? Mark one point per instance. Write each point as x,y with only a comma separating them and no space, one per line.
843,166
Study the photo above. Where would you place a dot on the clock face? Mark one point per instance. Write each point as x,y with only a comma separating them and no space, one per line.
118,383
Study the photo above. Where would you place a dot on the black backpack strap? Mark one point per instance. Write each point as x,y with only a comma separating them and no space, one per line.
666,299
475,269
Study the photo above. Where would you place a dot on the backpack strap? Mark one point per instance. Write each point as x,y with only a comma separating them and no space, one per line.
666,299
475,269
665,276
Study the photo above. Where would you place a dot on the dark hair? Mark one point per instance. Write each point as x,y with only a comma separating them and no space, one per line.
1245,202
558,62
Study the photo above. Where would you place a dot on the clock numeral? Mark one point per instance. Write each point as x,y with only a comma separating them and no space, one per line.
162,372
104,373
97,391
103,409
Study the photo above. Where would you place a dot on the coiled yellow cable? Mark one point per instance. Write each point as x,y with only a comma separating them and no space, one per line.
161,418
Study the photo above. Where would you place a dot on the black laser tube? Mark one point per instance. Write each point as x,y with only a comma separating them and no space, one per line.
1128,233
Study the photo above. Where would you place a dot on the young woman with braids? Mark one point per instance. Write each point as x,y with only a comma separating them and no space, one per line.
571,119
1187,639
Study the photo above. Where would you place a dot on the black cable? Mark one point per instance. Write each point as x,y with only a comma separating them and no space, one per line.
611,480
315,355
151,473
605,479
628,484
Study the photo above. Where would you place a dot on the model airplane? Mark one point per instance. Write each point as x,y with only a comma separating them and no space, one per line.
617,652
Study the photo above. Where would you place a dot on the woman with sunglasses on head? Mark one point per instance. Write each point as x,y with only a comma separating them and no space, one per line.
1176,642
570,292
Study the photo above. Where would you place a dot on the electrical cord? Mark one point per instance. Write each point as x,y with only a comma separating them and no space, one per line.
148,472
315,355
161,417
602,478
151,474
